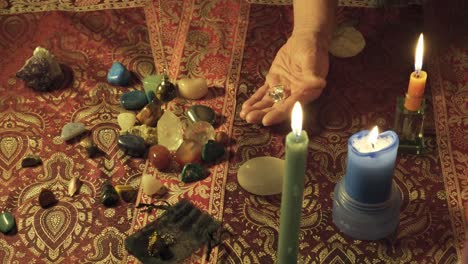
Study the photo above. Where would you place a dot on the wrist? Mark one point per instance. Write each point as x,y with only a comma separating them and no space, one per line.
319,39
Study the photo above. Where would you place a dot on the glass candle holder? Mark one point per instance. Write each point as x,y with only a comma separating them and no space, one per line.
409,125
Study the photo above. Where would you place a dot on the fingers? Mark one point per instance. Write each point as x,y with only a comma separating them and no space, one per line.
280,111
256,116
257,96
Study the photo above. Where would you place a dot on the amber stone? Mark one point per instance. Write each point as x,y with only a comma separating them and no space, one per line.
150,114
188,152
160,157
221,137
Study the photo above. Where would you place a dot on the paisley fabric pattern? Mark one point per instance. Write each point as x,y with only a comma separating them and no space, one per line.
79,228
360,93
231,44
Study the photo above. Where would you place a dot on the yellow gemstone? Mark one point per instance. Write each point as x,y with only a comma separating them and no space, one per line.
123,188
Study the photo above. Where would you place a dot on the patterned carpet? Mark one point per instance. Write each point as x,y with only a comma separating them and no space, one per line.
231,44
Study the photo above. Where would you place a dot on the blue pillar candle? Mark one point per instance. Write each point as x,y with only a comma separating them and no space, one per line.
370,166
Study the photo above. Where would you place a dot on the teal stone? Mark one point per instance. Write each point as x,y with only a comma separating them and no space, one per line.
212,151
118,74
109,196
151,84
134,100
201,113
7,222
193,172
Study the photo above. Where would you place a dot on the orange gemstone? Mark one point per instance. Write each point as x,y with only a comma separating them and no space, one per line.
160,157
188,152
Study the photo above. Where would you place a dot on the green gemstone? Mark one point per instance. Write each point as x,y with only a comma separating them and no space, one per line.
201,113
193,172
150,84
212,151
7,222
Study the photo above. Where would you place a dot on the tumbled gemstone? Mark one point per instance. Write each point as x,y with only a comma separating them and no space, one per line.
188,152
133,100
149,134
170,131
212,150
109,195
160,157
166,90
73,186
150,114
126,192
150,84
31,161
47,198
221,137
132,145
201,113
150,184
71,130
192,88
200,131
126,121
118,74
193,172
7,222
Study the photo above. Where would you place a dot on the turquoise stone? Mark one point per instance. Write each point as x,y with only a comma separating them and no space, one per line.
150,84
201,113
212,151
133,145
193,172
109,195
118,74
134,100
7,222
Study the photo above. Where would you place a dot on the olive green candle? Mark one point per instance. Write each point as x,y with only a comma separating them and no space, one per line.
293,187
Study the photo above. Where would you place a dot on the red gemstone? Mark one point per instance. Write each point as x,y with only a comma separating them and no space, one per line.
188,152
160,157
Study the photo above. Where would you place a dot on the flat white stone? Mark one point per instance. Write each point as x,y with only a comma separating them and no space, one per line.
192,88
262,175
126,121
72,130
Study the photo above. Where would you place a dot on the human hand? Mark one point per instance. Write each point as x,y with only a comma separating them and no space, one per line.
301,66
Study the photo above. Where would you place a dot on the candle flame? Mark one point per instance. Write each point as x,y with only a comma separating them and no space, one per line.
296,119
373,136
419,53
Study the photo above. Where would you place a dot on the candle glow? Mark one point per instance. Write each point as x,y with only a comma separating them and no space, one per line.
296,119
418,60
372,139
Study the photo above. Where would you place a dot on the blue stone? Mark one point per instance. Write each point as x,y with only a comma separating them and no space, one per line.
133,145
134,100
118,74
7,222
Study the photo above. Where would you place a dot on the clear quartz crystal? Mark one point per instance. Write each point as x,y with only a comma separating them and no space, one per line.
409,125
170,131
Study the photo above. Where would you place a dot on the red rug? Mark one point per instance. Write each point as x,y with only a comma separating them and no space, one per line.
231,44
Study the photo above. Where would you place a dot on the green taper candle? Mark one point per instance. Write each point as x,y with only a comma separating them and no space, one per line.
293,189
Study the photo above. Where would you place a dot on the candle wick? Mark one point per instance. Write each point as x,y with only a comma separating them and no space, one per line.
373,145
417,73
